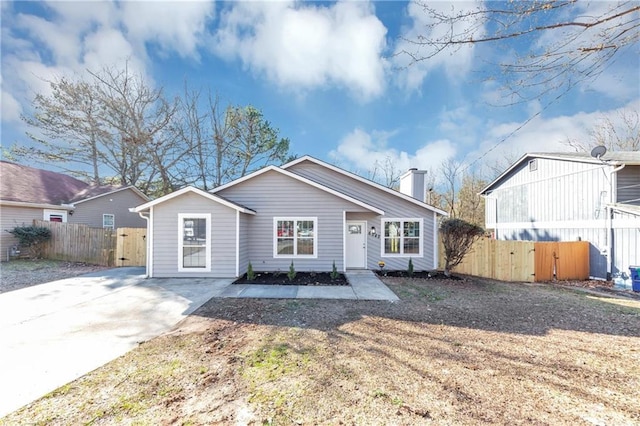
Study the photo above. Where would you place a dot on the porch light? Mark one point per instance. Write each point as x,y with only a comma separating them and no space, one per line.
373,231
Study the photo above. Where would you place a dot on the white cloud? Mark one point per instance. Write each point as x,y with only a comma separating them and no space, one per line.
542,134
175,26
69,38
362,151
456,63
11,108
301,47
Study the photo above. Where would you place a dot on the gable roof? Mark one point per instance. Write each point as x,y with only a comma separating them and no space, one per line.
191,189
611,158
301,179
43,188
369,182
30,185
93,192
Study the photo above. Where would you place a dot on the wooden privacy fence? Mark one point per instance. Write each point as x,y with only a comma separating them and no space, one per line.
525,260
108,247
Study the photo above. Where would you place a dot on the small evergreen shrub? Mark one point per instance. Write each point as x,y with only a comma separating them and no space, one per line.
334,272
410,268
250,274
292,272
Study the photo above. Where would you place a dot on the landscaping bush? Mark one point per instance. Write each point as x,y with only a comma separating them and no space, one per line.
32,238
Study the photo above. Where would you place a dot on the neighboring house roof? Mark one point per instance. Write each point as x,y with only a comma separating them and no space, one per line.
366,181
301,179
212,197
30,185
612,158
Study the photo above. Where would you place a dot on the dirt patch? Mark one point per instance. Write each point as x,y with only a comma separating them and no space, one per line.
18,274
301,278
449,352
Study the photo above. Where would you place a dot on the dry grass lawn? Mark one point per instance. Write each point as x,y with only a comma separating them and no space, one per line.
449,353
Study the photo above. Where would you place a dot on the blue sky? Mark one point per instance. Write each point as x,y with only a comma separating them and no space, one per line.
324,73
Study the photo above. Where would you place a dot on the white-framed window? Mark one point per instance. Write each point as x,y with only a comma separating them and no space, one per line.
194,242
295,237
402,237
533,165
55,215
108,220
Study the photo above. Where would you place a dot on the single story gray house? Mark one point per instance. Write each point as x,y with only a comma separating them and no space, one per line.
307,212
28,193
568,197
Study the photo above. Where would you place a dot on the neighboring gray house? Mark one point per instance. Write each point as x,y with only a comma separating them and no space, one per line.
27,193
569,197
307,211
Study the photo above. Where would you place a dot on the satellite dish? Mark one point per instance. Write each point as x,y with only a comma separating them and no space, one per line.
598,151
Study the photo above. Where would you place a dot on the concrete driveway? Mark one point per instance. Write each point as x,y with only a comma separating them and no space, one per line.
53,333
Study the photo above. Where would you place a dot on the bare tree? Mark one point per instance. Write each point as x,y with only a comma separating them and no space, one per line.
621,133
69,130
386,173
471,205
450,171
566,41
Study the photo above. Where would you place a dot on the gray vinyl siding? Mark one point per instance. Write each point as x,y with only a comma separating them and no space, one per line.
394,207
273,194
118,203
244,243
10,217
628,185
166,239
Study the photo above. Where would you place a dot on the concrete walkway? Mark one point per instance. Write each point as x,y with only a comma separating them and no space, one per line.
53,333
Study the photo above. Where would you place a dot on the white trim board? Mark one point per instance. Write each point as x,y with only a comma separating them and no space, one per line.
568,224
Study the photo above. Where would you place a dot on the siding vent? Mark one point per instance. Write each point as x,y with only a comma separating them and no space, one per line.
533,165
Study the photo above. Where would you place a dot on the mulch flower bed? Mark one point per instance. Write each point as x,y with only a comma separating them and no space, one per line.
301,278
436,275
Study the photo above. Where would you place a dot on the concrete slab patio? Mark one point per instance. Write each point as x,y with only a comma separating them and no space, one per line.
53,333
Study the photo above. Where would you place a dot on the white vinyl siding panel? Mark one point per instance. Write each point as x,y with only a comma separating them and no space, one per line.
392,206
90,212
273,194
556,191
166,244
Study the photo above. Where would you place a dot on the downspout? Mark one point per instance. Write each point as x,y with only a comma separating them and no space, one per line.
613,181
147,268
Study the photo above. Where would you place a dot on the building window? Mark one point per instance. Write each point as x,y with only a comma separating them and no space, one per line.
295,237
533,165
402,237
55,215
108,221
194,233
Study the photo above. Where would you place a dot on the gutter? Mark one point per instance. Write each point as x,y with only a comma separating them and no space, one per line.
148,248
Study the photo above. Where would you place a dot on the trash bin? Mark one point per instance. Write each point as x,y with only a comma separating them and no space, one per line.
635,277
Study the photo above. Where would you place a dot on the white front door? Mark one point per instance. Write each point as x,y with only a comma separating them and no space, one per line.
356,244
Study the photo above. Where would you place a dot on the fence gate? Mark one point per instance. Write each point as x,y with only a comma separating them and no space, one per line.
131,247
